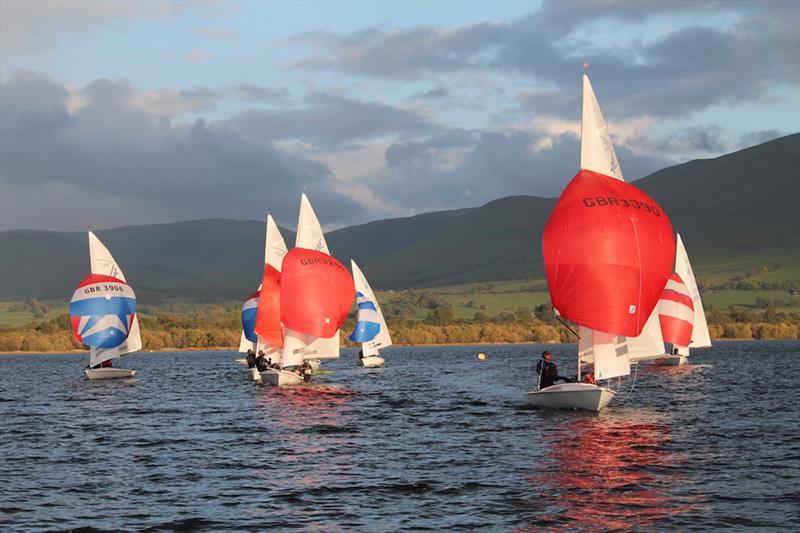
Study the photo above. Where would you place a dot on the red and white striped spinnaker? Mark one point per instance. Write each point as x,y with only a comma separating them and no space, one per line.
676,312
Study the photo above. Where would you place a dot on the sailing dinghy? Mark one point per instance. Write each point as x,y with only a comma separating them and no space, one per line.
103,314
316,293
608,250
261,328
370,329
681,313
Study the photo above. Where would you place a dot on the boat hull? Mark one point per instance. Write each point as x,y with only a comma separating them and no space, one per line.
280,378
109,373
671,360
583,396
371,362
255,375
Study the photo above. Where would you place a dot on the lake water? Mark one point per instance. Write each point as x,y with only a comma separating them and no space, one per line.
434,441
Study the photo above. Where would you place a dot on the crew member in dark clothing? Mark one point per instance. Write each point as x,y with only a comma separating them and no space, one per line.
547,370
251,359
261,361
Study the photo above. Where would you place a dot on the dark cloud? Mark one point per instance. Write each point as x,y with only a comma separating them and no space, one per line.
694,140
111,164
328,121
685,70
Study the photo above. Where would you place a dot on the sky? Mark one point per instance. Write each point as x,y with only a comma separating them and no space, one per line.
127,113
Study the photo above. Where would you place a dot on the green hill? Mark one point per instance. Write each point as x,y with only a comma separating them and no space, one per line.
734,212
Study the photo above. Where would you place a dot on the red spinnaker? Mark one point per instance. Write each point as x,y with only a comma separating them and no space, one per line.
317,292
268,317
608,251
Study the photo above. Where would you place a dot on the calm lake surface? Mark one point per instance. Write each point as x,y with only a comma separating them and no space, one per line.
436,440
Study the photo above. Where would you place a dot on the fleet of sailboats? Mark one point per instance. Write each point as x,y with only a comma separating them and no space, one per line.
609,252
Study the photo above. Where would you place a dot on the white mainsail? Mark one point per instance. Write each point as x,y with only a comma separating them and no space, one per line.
597,155
102,262
650,343
364,291
700,335
296,344
597,151
606,353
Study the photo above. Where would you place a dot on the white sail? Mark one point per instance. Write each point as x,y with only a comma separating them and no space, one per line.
294,345
102,262
364,291
607,353
274,247
597,151
650,343
700,335
309,231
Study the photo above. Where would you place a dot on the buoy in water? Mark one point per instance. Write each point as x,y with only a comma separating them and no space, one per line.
481,356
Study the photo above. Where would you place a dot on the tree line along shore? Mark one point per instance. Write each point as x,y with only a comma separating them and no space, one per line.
525,325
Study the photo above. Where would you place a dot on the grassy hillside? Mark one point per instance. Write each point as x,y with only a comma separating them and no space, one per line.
735,213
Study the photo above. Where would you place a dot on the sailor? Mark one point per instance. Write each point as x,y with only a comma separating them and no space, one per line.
261,361
306,371
251,359
547,370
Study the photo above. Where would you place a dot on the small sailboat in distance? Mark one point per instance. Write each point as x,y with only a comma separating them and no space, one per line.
681,313
103,314
608,250
370,329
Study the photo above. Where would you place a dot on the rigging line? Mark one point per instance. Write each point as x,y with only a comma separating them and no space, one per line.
568,327
633,382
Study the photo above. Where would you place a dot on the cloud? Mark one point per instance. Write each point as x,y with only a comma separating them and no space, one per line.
328,121
437,92
425,174
742,56
38,25
111,163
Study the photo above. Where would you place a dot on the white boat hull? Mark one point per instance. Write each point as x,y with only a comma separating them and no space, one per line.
109,373
584,396
255,375
671,360
371,362
280,378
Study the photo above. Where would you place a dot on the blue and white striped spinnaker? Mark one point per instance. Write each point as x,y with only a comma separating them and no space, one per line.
370,329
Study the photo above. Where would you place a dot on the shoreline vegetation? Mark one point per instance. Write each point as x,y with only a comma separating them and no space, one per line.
168,332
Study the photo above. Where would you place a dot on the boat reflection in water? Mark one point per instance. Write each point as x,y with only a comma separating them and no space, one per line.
309,443
610,471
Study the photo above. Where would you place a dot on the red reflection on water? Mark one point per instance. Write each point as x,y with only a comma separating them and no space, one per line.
310,425
603,470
